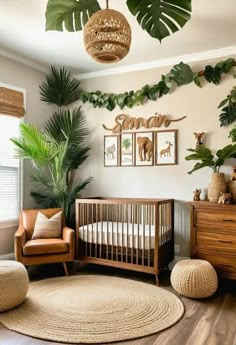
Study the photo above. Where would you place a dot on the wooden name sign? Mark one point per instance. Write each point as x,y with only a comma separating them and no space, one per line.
125,122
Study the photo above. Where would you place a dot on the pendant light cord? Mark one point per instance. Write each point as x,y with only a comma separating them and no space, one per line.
107,4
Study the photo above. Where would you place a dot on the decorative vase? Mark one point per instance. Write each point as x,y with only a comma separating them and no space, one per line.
232,189
216,186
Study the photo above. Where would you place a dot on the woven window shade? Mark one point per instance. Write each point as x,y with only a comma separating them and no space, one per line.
11,102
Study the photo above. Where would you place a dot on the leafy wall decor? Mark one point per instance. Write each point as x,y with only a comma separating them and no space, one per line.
180,74
158,17
228,114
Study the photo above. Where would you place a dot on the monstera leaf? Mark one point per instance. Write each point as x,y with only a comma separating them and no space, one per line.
72,14
160,17
182,74
228,115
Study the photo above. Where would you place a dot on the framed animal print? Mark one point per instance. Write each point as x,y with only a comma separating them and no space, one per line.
126,149
111,157
166,147
144,148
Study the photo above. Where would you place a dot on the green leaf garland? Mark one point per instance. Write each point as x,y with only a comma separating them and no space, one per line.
180,74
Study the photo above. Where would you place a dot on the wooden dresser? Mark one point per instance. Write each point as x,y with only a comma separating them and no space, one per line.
213,235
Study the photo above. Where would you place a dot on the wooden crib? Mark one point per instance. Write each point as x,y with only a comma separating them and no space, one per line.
135,234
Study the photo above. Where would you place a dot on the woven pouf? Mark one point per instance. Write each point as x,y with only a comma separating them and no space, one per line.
194,278
14,284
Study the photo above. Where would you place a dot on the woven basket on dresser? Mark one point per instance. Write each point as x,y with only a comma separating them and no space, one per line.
194,278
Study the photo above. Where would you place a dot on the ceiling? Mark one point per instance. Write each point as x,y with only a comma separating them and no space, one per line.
23,37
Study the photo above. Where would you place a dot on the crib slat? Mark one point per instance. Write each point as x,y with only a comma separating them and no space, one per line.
144,222
137,251
132,221
107,240
96,244
122,228
117,212
112,232
127,230
149,237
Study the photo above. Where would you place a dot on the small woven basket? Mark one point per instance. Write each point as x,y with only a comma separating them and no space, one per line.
194,278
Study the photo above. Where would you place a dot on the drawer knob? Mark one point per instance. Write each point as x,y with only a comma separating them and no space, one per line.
227,220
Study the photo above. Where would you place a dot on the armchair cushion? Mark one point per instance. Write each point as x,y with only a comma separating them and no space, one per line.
45,246
47,227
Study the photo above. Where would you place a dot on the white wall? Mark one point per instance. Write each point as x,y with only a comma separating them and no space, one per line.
200,107
37,112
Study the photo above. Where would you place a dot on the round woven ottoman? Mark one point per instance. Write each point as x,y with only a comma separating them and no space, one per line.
14,284
194,278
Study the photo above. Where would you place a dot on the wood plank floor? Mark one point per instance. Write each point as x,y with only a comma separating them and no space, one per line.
210,321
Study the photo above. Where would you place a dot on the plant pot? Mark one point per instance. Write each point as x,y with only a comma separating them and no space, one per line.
232,189
216,186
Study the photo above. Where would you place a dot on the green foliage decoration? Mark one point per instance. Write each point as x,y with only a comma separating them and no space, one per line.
59,87
158,17
205,157
55,153
228,114
72,14
180,74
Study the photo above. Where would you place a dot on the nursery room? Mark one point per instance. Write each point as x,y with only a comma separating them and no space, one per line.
118,172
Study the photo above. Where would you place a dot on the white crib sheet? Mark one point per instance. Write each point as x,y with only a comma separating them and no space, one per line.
124,234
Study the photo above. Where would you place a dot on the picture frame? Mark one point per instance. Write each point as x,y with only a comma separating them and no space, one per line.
127,149
166,147
111,151
144,148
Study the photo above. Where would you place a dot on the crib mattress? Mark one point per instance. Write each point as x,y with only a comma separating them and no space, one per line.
129,235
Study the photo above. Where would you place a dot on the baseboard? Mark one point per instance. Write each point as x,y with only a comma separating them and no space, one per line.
9,256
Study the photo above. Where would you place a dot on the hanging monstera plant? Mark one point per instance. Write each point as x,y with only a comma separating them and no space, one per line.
159,18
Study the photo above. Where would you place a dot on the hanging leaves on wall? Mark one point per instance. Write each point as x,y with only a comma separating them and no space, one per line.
180,74
228,114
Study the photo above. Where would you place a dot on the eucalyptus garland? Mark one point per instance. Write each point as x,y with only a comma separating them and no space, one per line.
180,74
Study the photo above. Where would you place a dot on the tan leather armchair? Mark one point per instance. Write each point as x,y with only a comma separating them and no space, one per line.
42,251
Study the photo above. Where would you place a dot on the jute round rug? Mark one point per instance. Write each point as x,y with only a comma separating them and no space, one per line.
93,309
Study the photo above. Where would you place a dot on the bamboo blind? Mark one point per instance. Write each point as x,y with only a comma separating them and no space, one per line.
11,102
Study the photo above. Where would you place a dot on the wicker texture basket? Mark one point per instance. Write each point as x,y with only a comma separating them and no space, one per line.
194,278
14,284
107,36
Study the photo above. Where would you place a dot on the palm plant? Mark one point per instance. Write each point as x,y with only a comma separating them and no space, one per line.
126,143
56,152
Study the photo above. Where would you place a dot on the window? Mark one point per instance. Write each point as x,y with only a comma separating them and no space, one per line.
11,110
9,170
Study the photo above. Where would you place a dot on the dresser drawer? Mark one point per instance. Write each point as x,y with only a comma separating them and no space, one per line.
220,243
218,220
225,265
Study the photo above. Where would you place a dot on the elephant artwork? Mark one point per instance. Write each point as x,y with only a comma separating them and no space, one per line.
144,152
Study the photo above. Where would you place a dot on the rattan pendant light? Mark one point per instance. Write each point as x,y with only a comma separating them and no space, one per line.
107,36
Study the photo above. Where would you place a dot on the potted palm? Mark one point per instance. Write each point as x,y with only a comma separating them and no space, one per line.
205,158
57,151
